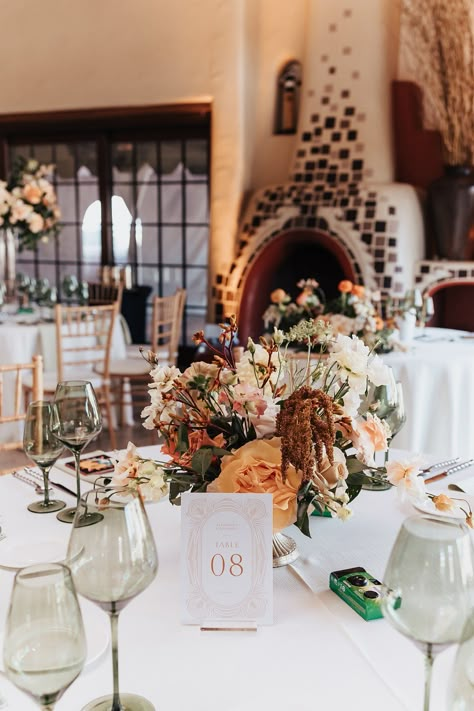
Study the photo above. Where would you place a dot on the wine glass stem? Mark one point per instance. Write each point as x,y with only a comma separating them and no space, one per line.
77,457
429,658
45,472
116,705
387,451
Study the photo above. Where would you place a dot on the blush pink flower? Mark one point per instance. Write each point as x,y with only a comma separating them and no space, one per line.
369,436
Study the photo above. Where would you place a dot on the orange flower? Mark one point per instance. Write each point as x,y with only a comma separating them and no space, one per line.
278,296
197,439
32,193
256,468
345,286
358,290
443,502
302,298
379,324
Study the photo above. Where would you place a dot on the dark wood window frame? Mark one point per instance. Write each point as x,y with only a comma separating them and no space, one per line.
105,126
173,121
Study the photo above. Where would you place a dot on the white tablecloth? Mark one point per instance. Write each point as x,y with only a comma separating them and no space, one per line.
318,653
20,342
437,373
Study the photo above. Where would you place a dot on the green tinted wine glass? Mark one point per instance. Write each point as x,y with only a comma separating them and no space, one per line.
430,585
77,421
45,645
43,448
112,562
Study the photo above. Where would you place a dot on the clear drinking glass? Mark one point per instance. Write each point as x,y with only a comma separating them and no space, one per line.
112,562
430,585
45,646
42,447
77,421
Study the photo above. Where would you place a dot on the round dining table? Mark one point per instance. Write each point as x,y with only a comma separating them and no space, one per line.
318,653
437,375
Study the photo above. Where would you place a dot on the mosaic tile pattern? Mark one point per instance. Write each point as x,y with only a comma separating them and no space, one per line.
330,172
432,272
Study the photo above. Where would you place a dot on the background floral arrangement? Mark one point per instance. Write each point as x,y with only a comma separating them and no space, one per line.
258,425
28,203
356,311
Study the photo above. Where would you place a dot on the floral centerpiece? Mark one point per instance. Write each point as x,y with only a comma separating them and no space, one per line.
28,203
283,312
356,311
257,425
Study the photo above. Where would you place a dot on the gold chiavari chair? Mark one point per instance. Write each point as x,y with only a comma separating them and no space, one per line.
103,294
83,347
15,411
167,318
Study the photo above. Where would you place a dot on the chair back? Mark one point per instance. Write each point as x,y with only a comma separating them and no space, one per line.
13,374
166,325
103,294
84,339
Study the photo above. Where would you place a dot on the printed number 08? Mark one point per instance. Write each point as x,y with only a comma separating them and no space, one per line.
218,565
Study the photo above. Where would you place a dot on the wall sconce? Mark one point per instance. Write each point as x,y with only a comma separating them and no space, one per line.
288,98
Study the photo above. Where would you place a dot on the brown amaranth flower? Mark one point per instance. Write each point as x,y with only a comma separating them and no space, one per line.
306,427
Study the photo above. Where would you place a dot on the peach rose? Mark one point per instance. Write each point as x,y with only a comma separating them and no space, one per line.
345,286
33,193
358,290
369,436
331,474
256,468
278,296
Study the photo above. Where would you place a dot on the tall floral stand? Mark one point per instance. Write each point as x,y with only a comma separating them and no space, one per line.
284,550
8,260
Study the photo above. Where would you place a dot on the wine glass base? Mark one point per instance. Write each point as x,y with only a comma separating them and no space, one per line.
68,515
41,507
376,483
128,702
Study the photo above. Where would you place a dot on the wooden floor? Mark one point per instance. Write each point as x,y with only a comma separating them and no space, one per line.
136,434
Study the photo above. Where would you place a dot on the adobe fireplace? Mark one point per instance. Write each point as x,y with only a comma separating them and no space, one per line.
339,214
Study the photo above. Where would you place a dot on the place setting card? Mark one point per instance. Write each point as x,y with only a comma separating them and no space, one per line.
226,560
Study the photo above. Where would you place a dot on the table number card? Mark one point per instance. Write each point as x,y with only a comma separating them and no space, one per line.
226,559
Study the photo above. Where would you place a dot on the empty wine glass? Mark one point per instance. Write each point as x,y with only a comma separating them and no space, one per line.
43,448
77,421
112,562
396,418
430,585
45,646
382,401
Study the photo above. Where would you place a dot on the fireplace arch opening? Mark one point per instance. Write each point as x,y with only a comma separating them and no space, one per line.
287,258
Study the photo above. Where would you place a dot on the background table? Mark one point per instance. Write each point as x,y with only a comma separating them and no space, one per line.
318,653
437,374
19,342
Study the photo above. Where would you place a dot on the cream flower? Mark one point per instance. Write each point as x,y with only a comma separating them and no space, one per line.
21,211
256,468
35,222
404,475
341,324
